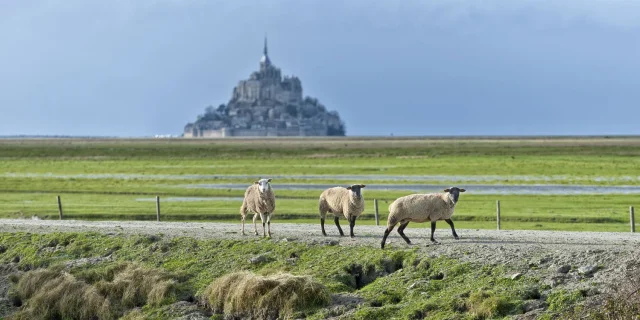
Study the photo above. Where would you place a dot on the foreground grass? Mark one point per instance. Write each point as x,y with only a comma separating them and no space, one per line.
399,284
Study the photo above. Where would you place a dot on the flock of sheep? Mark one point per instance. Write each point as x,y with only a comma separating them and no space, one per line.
349,203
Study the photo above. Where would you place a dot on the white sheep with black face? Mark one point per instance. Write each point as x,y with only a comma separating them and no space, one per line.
420,208
341,201
259,199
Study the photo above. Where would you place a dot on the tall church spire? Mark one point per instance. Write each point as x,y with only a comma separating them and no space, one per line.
265,46
264,61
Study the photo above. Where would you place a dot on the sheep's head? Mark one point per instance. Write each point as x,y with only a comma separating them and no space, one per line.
454,193
355,190
264,185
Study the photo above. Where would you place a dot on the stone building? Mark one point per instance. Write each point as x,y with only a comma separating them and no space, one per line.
267,104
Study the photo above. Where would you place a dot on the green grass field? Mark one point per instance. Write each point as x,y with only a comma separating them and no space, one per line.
119,178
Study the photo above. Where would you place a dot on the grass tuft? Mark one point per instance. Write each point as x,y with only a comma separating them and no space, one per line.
562,299
56,294
59,295
487,305
245,294
136,286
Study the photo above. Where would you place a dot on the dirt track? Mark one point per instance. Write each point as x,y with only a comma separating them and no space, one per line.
470,239
489,245
596,259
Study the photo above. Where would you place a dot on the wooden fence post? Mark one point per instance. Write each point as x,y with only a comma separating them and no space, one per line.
633,220
59,207
498,212
158,208
375,207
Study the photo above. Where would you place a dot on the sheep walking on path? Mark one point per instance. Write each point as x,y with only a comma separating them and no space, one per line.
260,200
420,208
341,201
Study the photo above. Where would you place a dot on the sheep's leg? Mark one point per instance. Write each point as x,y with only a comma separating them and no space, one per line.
352,223
264,232
255,227
243,214
386,234
336,220
323,215
269,224
433,230
453,230
401,232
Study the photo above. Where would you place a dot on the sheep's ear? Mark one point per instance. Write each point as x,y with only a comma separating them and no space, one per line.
462,190
269,180
349,188
362,186
447,190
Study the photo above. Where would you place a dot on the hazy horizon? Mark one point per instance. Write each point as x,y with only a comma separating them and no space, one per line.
412,68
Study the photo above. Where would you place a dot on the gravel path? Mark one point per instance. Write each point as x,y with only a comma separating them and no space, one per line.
525,240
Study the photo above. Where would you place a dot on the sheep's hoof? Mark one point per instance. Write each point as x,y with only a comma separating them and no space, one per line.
256,233
434,241
456,237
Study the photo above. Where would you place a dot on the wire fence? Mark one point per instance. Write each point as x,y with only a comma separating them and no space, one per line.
481,213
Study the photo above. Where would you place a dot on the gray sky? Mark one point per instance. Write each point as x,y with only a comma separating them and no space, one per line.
143,67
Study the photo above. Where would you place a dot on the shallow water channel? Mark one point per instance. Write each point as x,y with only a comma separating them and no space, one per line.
476,189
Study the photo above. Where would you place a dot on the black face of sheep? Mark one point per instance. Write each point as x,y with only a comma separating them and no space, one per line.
356,188
455,192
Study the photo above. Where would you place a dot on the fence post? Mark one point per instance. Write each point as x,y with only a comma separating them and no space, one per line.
498,212
633,220
375,207
59,207
158,208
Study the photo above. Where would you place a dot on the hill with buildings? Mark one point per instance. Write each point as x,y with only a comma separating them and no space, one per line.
267,104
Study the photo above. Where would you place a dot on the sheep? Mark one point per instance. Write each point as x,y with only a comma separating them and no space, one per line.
259,199
341,201
420,208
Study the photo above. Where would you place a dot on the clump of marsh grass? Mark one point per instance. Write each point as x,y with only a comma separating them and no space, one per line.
53,294
56,294
487,305
136,286
245,294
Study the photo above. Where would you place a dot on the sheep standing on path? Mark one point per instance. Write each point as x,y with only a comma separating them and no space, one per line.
341,201
260,200
420,208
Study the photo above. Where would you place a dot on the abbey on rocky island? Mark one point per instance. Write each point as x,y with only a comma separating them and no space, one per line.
267,104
